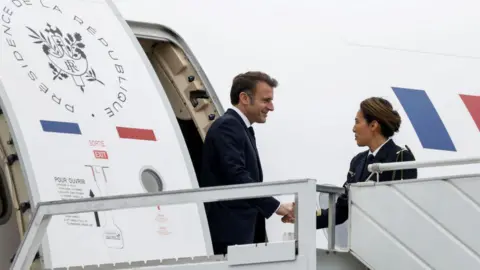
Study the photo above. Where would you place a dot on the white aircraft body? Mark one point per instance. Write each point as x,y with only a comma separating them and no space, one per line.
97,94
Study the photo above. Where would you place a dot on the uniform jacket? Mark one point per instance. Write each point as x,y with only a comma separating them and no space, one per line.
358,172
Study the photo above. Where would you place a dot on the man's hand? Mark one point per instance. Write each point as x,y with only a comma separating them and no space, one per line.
286,209
291,219
288,219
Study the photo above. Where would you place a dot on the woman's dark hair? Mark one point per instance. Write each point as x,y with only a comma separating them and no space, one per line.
380,110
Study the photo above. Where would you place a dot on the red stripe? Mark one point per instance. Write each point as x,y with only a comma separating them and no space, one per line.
136,134
473,106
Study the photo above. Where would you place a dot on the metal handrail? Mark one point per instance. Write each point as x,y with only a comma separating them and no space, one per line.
305,206
330,189
392,166
332,198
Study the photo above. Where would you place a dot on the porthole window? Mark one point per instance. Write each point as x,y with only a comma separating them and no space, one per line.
151,181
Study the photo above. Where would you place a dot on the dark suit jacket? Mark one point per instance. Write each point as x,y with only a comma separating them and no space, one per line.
230,157
358,172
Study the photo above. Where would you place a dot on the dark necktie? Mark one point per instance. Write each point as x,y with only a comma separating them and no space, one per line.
366,173
370,159
250,129
252,138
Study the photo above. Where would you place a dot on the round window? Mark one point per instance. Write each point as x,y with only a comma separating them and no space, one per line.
151,181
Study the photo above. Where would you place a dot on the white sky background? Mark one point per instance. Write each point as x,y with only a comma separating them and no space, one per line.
299,42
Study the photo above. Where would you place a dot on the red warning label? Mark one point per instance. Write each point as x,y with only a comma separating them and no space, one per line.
99,154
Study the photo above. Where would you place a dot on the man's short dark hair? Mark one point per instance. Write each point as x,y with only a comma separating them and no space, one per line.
247,82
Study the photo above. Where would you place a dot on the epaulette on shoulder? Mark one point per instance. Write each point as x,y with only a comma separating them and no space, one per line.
403,149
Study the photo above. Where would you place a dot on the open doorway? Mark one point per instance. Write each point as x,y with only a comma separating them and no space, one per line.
192,105
15,209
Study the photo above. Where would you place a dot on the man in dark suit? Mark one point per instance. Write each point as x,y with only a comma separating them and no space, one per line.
230,157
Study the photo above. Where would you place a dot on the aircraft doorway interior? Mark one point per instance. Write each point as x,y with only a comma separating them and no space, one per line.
186,92
15,207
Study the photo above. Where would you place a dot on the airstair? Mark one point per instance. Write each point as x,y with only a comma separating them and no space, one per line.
415,224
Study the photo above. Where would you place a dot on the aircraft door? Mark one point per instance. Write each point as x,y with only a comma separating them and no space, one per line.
88,118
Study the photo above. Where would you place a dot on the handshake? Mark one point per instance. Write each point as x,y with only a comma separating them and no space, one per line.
287,211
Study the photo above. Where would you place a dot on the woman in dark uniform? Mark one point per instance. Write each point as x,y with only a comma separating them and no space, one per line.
375,124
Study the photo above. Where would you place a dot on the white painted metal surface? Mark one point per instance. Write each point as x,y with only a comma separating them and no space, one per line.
305,199
325,261
297,253
418,224
83,107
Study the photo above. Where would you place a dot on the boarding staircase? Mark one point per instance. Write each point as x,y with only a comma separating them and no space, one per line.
417,224
412,224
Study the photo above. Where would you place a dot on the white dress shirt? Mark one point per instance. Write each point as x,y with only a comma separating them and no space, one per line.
378,149
244,118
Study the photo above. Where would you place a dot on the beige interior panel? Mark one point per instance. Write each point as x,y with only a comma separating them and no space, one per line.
176,74
146,45
173,57
13,175
176,101
12,172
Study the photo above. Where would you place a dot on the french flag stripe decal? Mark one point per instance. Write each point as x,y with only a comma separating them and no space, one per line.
60,127
473,106
428,125
136,134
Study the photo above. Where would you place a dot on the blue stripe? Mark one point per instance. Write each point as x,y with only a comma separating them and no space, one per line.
425,119
60,127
